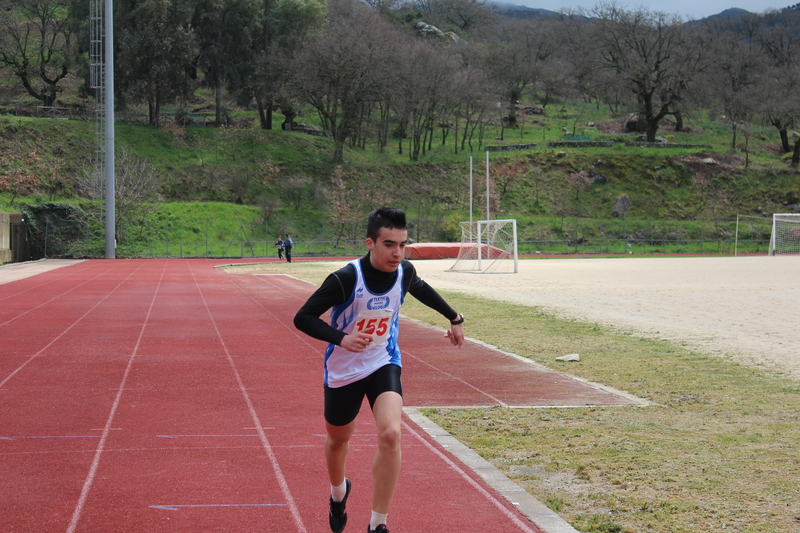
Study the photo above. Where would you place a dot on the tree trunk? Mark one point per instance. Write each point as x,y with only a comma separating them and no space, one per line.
678,120
796,153
785,140
651,128
262,117
218,98
338,150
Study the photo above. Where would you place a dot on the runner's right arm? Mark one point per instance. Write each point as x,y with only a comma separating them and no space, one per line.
335,290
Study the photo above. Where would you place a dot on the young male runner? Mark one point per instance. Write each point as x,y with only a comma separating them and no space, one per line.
363,358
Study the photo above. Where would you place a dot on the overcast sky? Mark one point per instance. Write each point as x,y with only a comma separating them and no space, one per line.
694,9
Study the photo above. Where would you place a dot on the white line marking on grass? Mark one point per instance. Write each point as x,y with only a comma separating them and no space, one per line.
257,422
87,484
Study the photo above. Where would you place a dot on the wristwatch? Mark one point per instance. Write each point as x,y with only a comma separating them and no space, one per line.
459,320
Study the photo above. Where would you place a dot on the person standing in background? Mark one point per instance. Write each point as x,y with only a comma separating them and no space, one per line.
279,244
287,246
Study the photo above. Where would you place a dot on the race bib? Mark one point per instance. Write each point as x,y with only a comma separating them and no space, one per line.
375,323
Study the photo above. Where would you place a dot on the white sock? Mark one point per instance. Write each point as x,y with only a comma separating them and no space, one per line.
338,493
376,520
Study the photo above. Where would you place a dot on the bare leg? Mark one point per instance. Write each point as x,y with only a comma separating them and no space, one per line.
337,444
388,412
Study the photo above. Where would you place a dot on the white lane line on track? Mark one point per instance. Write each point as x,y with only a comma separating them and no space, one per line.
53,298
178,507
87,484
67,272
451,376
49,344
257,422
497,503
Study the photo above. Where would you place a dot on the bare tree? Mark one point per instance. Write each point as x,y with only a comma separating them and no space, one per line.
136,182
422,90
464,14
344,67
516,61
776,31
646,50
35,41
735,75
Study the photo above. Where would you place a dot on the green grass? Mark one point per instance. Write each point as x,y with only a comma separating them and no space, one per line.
717,450
672,211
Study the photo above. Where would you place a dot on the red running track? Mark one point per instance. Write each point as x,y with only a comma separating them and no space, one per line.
167,395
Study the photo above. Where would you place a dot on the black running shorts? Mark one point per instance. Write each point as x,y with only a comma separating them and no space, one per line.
342,404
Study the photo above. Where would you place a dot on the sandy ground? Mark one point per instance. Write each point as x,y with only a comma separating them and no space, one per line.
747,308
15,271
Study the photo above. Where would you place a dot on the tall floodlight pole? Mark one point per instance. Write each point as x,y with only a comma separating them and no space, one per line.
488,215
111,241
470,193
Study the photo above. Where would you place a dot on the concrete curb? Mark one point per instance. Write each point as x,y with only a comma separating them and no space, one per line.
537,512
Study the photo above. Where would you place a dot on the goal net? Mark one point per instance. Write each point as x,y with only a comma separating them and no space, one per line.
488,247
785,237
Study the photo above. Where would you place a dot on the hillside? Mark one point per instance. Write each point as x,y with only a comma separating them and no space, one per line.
289,182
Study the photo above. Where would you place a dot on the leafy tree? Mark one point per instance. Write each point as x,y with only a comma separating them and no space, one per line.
36,43
153,48
225,30
285,26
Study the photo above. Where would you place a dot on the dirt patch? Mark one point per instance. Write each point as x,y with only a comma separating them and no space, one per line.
747,308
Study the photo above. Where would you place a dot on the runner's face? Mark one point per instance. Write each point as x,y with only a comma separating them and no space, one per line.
388,250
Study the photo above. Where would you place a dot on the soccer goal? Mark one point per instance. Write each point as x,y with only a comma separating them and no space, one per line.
488,247
785,237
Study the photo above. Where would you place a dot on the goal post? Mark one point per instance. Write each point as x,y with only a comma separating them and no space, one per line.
488,247
785,238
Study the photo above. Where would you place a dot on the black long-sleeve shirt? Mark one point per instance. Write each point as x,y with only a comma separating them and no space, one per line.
338,286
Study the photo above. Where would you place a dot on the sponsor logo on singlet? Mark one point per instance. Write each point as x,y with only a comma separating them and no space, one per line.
360,292
380,302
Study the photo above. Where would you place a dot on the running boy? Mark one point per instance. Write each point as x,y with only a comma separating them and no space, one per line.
363,358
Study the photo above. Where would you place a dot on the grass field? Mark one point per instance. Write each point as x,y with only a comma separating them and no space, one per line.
717,450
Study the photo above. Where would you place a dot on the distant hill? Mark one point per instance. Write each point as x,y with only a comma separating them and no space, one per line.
522,12
733,13
517,11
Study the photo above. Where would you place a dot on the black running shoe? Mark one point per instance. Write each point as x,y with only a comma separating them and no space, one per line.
380,529
338,513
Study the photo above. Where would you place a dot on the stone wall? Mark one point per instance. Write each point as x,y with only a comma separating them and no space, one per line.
580,144
13,239
5,238
667,145
510,147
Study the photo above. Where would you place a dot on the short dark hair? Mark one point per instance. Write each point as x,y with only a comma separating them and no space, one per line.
385,217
